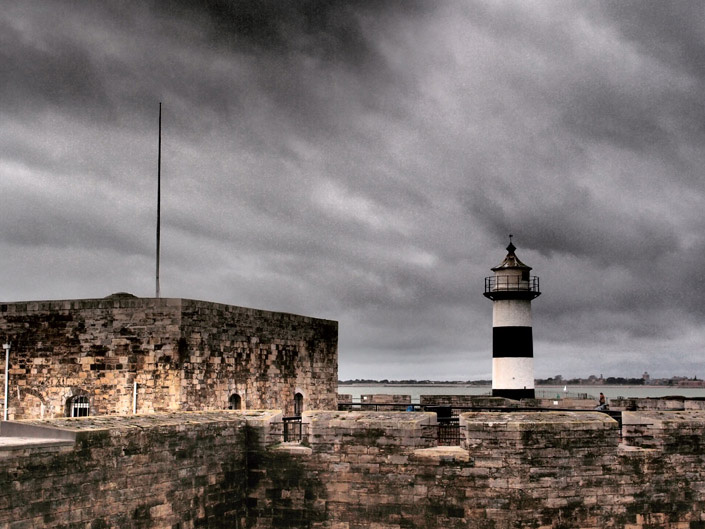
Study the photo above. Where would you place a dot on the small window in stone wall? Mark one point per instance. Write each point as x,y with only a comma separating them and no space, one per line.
79,406
235,402
298,404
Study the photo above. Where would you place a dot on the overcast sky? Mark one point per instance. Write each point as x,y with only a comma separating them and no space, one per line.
365,161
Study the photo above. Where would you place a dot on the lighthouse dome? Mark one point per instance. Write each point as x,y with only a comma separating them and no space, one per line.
511,261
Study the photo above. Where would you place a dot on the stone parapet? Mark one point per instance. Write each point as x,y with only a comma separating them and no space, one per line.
159,471
355,470
520,469
345,398
379,430
694,404
567,403
674,403
667,431
384,398
468,401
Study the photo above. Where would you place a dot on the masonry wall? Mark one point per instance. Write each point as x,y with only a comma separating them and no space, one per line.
383,398
183,355
265,357
357,470
672,403
465,401
541,470
95,348
159,471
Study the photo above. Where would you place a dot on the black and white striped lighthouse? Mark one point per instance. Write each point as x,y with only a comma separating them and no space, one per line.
511,290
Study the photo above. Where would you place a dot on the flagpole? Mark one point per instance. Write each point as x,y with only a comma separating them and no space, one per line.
159,192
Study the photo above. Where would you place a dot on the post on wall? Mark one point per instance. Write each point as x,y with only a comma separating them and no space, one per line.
6,346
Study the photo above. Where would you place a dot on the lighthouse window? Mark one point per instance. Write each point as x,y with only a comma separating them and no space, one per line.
524,275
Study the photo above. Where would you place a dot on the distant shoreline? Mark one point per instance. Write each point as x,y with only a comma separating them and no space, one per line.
471,385
611,391
418,384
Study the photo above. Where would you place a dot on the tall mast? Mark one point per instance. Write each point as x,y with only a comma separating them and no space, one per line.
159,191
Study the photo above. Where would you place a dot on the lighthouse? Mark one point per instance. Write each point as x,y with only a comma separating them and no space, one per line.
511,290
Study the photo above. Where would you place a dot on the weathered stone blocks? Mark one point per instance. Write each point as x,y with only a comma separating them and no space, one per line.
183,355
354,470
185,470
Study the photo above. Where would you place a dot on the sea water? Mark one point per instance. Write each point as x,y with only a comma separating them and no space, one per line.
611,392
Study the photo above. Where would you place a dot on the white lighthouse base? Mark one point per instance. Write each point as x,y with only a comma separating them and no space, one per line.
513,377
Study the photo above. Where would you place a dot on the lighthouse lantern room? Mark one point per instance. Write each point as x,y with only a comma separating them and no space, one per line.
511,290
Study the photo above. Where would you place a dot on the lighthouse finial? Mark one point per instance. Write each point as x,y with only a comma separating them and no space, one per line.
511,246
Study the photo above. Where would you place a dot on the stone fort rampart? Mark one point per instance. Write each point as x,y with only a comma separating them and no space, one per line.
357,470
183,355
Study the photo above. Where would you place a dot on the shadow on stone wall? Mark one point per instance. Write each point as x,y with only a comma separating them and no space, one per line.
282,491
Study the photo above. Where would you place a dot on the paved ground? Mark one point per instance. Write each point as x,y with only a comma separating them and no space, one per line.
11,443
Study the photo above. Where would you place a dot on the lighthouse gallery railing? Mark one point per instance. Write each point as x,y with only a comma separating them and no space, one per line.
511,283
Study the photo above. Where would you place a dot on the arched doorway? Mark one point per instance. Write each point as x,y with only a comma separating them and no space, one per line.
298,404
235,402
29,406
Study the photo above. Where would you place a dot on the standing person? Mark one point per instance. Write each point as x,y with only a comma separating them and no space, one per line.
603,402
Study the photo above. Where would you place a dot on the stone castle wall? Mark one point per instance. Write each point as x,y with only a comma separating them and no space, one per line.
384,398
673,403
359,470
129,472
543,470
460,402
183,355
266,357
467,401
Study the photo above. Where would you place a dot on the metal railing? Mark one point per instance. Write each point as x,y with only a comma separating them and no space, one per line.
378,406
449,431
292,429
511,283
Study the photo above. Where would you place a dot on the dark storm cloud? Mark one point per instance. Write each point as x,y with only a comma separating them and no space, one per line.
311,61
579,225
40,71
329,29
365,161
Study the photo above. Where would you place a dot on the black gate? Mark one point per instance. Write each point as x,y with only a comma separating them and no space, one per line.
448,431
292,429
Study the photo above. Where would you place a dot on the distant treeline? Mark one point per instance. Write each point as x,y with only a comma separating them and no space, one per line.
609,381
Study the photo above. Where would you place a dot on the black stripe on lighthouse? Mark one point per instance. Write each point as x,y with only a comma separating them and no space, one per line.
512,342
514,394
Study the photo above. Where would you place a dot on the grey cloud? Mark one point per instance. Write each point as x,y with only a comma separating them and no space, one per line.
38,74
330,29
365,162
673,33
